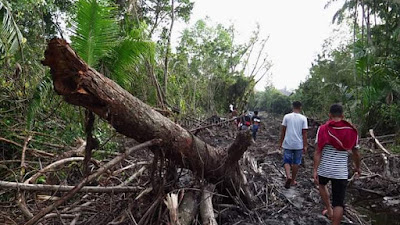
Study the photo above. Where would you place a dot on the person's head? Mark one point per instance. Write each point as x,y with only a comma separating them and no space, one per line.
296,106
256,113
336,111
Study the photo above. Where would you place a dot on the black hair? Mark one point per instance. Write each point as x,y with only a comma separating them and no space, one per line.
296,105
256,112
336,110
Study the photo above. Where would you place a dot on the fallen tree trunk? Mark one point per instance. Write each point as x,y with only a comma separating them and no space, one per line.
65,188
83,86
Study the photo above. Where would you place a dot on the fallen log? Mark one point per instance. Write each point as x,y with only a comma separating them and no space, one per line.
206,206
83,86
188,208
65,188
371,132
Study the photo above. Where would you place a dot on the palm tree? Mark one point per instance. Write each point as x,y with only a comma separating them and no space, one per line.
10,36
99,41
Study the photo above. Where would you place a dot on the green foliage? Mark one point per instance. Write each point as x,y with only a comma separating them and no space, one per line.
362,75
96,30
42,92
204,70
11,38
271,100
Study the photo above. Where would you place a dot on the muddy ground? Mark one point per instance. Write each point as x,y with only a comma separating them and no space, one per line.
302,204
373,199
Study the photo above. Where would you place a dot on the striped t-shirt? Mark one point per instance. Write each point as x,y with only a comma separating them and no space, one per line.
333,163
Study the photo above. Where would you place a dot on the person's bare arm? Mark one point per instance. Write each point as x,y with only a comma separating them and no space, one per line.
305,140
317,161
357,160
283,133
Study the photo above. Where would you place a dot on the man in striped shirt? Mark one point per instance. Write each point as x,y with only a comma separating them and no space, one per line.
335,139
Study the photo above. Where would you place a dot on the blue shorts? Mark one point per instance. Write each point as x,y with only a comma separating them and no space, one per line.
292,156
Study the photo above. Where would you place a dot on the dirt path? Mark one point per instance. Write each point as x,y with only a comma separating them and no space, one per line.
276,205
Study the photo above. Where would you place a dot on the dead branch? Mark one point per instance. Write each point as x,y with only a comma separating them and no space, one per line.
171,201
130,166
77,151
188,208
90,178
52,166
196,130
23,165
371,132
134,176
30,150
206,206
65,188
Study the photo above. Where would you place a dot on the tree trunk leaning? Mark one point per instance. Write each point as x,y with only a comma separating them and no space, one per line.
83,86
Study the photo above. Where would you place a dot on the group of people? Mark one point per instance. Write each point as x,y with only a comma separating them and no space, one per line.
335,140
246,121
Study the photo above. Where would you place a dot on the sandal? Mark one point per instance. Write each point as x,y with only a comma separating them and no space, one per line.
287,184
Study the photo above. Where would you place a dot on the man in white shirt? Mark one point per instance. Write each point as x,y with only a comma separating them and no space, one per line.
294,142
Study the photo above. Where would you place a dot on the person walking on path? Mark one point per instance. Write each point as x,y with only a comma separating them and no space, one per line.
256,122
335,139
294,142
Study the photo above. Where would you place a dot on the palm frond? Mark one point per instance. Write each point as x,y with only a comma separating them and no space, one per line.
10,36
126,56
96,30
36,103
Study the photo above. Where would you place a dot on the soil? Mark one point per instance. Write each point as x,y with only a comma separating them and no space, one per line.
374,199
301,204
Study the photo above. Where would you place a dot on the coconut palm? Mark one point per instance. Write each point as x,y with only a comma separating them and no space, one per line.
10,36
99,41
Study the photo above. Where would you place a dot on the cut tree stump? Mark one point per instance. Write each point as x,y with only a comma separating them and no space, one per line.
83,86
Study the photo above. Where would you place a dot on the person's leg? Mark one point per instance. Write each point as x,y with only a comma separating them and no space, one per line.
295,169
287,162
338,195
323,191
337,215
287,171
297,154
255,129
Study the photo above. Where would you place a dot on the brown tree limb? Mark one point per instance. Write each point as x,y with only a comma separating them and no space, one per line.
23,164
52,166
90,178
206,206
371,132
65,188
83,86
30,150
91,142
188,208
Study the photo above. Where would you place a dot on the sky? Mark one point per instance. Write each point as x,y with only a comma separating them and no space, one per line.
296,30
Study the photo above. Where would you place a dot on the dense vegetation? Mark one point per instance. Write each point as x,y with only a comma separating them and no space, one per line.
128,41
362,74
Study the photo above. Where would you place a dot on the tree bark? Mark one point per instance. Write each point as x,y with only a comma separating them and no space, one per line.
83,86
206,206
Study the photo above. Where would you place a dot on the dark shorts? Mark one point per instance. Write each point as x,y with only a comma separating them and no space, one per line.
292,156
338,189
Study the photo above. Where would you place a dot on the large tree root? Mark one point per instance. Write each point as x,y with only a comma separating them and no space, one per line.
83,86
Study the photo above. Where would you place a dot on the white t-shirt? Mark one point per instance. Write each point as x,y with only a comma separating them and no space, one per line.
294,123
